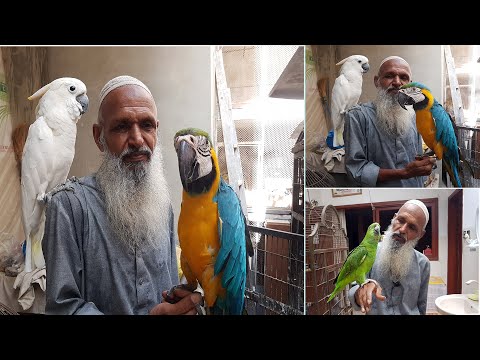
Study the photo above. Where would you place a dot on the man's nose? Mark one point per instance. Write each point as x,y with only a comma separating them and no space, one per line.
403,229
396,81
135,138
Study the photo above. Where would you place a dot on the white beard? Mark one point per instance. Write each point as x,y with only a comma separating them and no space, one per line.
391,117
394,259
137,199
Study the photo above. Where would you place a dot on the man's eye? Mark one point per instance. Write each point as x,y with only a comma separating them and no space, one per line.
121,127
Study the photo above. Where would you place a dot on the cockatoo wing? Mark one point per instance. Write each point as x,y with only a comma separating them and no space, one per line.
37,165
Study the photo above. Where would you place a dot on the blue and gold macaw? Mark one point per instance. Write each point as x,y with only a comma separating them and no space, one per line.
212,228
435,126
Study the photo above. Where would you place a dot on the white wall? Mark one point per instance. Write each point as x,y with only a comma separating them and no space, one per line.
470,263
179,78
438,268
425,61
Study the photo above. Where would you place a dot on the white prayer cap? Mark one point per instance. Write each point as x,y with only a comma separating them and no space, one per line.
121,81
392,58
422,206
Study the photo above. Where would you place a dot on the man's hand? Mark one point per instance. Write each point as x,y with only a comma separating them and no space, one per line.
421,166
363,296
187,304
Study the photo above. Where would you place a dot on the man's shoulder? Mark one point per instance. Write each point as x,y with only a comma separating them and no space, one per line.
421,257
365,110
70,187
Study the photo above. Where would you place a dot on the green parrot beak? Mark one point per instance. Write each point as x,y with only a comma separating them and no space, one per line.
187,164
404,99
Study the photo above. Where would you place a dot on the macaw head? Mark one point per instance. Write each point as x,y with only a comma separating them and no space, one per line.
415,94
195,160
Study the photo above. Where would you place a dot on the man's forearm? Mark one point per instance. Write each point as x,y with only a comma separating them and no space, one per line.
390,174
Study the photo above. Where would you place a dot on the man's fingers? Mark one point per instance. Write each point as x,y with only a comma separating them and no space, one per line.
378,293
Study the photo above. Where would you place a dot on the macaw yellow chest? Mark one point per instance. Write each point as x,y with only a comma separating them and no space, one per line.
426,128
198,232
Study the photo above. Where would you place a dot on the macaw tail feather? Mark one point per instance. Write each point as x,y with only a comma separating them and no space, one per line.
229,306
453,173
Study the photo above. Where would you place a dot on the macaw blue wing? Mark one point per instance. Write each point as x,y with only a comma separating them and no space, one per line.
231,258
445,133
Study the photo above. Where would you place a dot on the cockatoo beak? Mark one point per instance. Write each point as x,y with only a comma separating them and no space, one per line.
83,101
365,67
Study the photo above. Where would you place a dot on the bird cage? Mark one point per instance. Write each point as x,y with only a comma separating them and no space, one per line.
298,186
318,178
326,251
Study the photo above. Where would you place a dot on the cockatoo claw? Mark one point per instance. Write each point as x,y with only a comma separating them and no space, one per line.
65,186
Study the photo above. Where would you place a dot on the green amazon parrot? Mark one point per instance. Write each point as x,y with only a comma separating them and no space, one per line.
212,229
359,261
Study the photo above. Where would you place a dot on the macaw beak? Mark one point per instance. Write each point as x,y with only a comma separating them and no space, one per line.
404,99
187,164
83,100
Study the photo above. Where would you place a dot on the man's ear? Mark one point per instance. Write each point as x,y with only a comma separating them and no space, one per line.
423,233
97,131
375,80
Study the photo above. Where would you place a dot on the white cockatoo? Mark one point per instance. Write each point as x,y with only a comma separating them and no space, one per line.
346,92
47,156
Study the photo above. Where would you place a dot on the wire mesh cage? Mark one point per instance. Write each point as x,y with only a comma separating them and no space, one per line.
326,251
298,186
5,310
275,284
469,143
263,130
318,178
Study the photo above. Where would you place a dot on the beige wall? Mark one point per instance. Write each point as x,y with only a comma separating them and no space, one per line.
425,61
180,81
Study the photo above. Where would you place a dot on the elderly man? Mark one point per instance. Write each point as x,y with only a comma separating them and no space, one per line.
381,139
399,271
109,238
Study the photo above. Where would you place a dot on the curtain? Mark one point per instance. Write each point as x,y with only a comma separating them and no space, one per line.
343,220
23,70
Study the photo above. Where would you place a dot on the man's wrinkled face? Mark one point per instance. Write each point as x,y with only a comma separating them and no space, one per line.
128,122
407,224
393,74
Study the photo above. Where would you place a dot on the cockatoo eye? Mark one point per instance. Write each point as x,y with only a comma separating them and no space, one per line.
359,61
72,88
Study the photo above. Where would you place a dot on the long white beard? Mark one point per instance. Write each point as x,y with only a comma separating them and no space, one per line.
394,258
137,198
391,117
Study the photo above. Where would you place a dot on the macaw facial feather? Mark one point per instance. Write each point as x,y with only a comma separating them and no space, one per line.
197,170
411,96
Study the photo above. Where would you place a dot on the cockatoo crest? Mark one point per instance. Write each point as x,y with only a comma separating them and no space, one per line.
346,92
67,91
